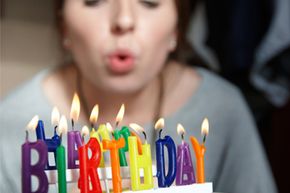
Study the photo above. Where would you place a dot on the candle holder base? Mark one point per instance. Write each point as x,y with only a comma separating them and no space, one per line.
105,175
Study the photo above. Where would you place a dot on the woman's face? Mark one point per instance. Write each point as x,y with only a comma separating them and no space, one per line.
120,45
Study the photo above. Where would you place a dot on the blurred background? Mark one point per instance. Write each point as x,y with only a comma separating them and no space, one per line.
245,41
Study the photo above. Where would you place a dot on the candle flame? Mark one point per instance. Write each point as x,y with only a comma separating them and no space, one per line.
62,128
33,123
205,127
136,127
159,124
180,129
55,116
94,114
85,131
75,108
109,127
120,114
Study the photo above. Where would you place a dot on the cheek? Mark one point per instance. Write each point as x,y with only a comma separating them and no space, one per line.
156,38
85,29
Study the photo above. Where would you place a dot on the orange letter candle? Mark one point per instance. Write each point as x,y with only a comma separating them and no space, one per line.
114,146
200,151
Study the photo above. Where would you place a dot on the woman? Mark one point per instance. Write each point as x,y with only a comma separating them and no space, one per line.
135,52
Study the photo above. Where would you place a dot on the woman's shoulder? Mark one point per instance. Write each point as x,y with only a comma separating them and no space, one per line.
26,99
214,94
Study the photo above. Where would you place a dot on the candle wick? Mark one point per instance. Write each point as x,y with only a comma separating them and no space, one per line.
55,127
83,138
26,135
116,125
160,131
92,126
73,124
60,138
204,138
145,136
182,136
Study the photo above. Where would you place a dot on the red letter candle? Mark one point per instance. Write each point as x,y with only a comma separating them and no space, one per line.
88,167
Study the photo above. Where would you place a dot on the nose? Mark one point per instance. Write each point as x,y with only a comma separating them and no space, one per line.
123,17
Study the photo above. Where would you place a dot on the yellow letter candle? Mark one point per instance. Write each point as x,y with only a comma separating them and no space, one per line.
138,162
104,133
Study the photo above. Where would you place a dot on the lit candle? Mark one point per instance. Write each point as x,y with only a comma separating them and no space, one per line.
36,169
89,181
125,133
60,155
52,143
200,151
74,137
139,142
114,146
142,161
104,134
184,170
94,116
165,181
101,132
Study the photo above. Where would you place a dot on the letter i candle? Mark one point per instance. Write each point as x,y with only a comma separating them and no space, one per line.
60,157
74,137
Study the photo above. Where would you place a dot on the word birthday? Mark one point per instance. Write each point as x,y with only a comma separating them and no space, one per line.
179,167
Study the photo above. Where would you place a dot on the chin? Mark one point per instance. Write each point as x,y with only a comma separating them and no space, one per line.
122,86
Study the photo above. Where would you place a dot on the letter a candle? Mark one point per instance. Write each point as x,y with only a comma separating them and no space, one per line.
142,161
36,169
184,162
200,151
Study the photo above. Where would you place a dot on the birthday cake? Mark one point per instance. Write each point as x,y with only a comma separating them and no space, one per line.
85,164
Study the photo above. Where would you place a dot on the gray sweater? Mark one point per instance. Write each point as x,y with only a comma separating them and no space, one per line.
234,161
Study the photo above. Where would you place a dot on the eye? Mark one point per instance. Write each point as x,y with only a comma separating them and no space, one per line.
150,3
92,2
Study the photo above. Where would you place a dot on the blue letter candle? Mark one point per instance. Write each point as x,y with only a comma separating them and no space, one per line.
52,143
165,181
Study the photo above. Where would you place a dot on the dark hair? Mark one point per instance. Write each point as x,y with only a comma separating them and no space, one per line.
184,51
